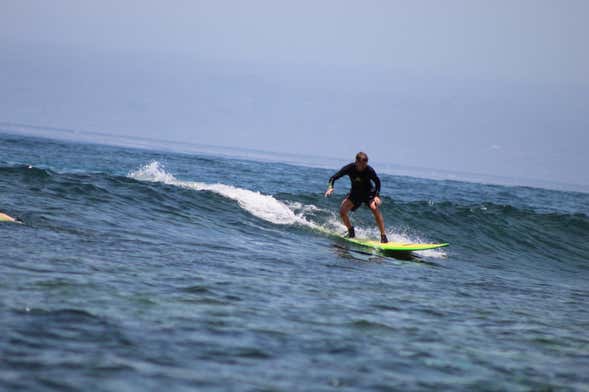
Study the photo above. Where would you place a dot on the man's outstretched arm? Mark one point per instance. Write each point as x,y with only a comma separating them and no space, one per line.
342,172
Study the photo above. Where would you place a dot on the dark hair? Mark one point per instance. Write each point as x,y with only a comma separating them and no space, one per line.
361,155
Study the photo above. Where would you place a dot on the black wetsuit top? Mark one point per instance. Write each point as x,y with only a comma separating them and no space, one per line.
362,190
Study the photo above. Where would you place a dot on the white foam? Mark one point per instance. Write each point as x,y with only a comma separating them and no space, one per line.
270,209
154,172
262,206
400,235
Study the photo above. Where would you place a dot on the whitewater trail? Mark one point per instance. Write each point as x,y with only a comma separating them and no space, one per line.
266,207
262,206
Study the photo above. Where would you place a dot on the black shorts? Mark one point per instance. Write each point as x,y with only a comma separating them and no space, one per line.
357,200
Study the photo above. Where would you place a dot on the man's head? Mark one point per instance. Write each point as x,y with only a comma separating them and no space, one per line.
361,161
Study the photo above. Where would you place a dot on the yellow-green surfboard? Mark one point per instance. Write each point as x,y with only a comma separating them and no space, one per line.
394,246
6,218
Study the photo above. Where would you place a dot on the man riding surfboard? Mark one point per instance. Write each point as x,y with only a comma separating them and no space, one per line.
361,176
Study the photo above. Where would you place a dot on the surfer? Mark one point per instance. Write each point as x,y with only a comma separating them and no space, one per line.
361,175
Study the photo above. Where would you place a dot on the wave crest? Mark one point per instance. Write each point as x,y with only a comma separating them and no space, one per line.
267,207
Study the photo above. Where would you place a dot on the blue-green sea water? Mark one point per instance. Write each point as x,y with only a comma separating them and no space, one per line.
143,270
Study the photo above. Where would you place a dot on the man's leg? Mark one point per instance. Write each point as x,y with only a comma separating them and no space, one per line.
378,217
344,209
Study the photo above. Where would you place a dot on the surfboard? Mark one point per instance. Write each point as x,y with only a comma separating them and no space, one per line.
394,246
6,218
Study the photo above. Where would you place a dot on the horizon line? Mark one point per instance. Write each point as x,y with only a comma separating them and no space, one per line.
450,175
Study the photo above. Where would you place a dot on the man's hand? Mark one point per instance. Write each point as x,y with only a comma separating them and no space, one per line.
328,192
375,202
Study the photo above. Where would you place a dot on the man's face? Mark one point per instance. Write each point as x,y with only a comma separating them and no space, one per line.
361,163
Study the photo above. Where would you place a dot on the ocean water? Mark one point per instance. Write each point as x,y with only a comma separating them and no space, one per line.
143,270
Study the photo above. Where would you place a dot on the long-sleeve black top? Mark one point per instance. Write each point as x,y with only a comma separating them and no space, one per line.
360,180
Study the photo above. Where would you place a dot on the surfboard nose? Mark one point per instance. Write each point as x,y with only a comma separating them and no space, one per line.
6,218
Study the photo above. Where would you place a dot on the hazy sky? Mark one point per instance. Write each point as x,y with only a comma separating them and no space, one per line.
499,87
